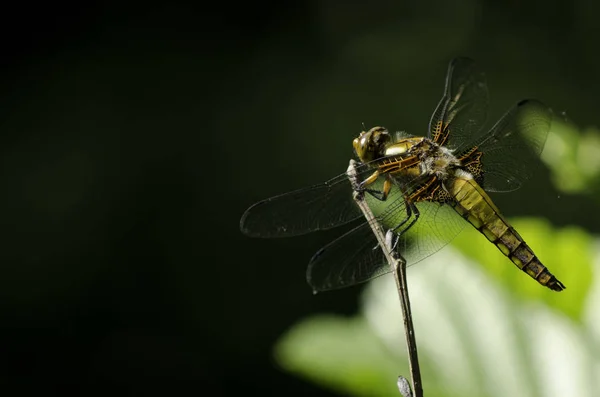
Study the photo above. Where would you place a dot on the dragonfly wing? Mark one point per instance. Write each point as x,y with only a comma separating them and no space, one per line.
350,259
436,225
355,257
512,147
462,111
306,210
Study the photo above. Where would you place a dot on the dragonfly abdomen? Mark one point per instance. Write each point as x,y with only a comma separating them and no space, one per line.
475,206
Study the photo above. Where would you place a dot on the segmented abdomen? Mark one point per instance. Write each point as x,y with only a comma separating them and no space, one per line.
473,204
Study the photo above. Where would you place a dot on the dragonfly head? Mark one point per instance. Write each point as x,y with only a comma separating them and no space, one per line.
371,144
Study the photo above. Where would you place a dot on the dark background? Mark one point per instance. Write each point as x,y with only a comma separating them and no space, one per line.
133,136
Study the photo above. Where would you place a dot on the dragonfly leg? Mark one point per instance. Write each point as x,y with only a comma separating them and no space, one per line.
379,195
368,181
411,209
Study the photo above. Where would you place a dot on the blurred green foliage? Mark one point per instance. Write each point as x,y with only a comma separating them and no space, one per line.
464,316
340,353
573,155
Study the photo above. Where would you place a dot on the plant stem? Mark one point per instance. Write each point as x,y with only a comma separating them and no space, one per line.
398,265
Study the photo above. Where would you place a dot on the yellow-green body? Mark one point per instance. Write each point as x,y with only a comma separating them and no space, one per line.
433,173
476,207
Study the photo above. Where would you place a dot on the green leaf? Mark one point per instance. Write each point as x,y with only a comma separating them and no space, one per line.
342,354
475,336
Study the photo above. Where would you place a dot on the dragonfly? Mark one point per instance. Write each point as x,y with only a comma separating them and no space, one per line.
424,189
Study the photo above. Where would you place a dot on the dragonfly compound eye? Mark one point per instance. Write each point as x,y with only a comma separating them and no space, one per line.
371,144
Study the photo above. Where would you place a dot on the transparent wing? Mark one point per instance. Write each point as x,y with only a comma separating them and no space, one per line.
306,210
355,257
462,111
512,146
438,224
350,259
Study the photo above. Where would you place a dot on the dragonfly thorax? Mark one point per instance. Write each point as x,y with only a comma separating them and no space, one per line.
420,157
436,160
